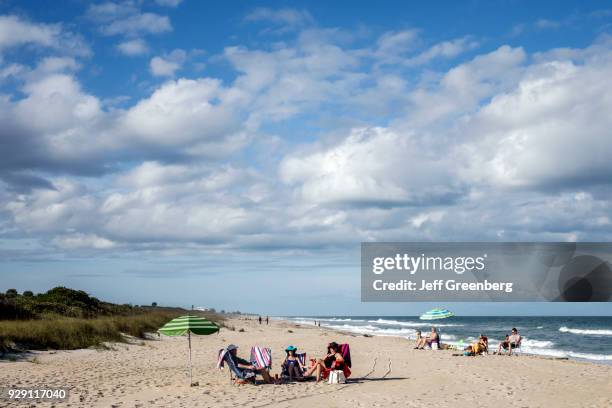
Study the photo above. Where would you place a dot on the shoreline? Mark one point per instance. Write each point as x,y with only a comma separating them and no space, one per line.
377,326
386,372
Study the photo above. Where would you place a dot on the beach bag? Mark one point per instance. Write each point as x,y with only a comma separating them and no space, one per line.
337,377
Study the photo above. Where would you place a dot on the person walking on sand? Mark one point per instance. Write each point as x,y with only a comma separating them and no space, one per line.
259,319
267,320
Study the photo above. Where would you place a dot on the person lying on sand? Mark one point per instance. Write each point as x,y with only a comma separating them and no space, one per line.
511,342
245,365
427,341
292,365
332,361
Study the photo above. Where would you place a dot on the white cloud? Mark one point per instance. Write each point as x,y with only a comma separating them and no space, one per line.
82,241
133,48
145,23
515,141
15,32
167,65
461,89
283,16
127,19
552,129
366,168
397,41
198,115
445,49
162,67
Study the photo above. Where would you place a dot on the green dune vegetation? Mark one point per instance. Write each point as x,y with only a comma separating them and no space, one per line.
66,319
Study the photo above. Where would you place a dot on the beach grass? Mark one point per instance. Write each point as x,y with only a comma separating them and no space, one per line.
68,319
72,333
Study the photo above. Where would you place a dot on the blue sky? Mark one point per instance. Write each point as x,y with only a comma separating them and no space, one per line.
235,154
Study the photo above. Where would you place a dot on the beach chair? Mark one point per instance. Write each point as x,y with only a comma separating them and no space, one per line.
235,373
261,357
345,351
301,358
517,348
438,343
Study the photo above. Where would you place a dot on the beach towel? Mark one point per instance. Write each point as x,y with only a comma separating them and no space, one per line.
225,358
261,357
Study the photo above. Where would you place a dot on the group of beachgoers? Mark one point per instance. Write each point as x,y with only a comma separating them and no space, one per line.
337,358
479,347
293,367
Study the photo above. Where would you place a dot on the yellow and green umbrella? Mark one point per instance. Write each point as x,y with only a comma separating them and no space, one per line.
187,325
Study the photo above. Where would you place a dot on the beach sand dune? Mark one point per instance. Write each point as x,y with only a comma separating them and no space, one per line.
387,372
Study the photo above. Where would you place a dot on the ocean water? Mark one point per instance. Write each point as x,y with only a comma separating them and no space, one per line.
579,338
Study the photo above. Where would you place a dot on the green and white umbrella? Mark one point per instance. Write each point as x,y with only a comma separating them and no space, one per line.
188,325
435,314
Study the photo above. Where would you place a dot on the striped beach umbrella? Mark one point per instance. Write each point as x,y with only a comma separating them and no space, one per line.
435,314
187,325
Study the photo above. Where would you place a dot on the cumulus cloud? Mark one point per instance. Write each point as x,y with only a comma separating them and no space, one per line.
552,129
199,115
15,32
72,131
127,19
314,144
133,48
367,168
167,65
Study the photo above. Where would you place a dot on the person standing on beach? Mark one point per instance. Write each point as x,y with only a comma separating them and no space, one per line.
267,320
259,319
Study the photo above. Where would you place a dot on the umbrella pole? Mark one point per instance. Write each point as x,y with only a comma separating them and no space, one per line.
190,372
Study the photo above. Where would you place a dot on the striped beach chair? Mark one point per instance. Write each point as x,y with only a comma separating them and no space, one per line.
261,357
235,373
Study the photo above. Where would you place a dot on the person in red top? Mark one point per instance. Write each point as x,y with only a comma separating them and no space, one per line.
332,361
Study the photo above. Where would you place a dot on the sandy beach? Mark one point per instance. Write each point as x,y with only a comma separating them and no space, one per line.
386,372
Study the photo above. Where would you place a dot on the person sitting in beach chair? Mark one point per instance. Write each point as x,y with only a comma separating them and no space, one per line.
419,338
242,369
338,358
294,364
478,348
511,342
431,339
484,340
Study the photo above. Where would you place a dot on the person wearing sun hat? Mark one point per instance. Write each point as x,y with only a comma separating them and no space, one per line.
292,366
